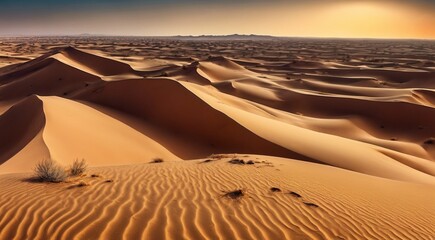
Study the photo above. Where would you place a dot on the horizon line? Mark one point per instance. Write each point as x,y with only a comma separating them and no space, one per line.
212,35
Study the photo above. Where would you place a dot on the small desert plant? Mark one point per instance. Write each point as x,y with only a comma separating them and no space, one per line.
217,156
237,161
78,167
157,160
207,161
237,194
275,189
250,162
295,194
48,170
83,184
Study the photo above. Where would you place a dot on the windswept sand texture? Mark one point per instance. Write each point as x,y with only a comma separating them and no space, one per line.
344,128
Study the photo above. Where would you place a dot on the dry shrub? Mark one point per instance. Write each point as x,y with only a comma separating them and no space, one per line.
48,170
78,167
157,160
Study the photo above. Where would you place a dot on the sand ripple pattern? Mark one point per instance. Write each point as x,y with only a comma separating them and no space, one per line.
183,200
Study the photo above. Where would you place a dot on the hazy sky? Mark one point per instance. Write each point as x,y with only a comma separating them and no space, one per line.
309,18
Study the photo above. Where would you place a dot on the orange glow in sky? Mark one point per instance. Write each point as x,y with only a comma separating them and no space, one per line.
334,18
375,19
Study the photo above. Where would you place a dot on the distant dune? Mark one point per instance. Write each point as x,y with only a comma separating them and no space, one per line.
346,135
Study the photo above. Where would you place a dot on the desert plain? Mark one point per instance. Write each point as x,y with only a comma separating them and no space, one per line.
256,137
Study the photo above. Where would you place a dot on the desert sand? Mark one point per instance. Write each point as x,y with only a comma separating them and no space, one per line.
341,135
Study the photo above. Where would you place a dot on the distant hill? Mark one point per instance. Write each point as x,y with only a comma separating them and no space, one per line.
227,37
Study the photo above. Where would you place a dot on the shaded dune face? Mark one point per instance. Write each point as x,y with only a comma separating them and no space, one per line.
19,125
169,105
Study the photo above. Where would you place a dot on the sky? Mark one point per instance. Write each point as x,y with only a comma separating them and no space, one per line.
294,18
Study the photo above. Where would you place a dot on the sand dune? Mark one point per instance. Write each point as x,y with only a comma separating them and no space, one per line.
46,77
349,132
70,130
322,147
185,200
163,100
19,125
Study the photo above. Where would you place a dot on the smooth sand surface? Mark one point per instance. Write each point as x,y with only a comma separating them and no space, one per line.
350,131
